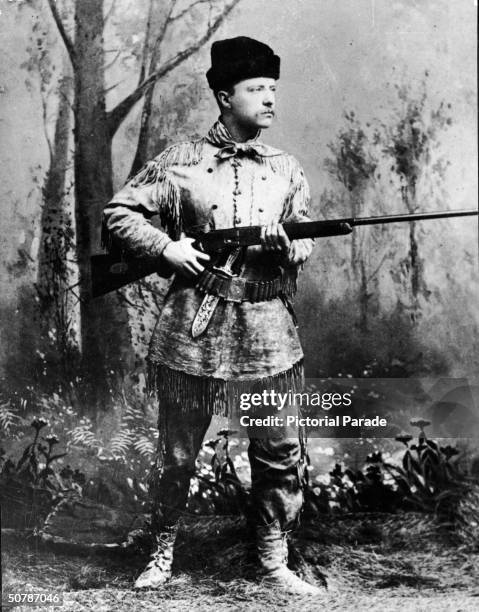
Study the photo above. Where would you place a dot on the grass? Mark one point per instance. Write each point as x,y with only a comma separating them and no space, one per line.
373,563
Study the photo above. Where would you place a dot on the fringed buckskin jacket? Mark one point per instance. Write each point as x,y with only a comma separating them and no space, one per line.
215,182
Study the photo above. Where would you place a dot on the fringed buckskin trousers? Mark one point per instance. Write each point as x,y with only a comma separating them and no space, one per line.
276,460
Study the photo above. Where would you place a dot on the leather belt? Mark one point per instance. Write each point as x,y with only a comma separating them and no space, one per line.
238,289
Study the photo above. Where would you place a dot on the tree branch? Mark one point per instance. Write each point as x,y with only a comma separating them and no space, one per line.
144,55
155,56
376,270
121,110
154,59
61,28
109,11
44,98
62,94
112,87
188,9
111,62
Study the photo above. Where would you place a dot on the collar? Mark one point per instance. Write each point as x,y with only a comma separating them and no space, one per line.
220,137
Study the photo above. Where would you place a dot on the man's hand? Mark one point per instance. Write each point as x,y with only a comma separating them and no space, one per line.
183,258
274,238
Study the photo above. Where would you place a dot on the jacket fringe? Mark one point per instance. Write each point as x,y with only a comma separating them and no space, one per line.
154,173
298,199
281,164
170,212
188,153
290,282
214,396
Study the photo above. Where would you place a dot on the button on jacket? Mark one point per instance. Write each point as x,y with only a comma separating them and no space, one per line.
215,182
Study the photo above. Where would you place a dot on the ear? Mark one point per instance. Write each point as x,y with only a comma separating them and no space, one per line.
223,98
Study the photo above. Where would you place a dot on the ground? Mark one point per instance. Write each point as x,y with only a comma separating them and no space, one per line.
371,563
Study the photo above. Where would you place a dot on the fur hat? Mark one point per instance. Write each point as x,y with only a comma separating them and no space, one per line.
236,59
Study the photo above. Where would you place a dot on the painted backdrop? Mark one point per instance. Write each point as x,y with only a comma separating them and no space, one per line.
377,100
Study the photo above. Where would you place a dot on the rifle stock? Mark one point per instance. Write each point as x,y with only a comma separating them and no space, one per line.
110,271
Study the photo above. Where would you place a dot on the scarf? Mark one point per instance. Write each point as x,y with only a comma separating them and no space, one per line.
219,136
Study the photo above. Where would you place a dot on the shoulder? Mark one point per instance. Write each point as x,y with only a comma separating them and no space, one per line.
185,153
284,164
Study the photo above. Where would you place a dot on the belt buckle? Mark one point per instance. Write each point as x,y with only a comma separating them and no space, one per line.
236,290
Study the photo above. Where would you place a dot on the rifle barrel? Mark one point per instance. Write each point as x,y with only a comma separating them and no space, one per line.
337,227
413,217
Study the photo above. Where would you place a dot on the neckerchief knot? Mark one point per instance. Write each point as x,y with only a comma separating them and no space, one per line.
239,149
229,148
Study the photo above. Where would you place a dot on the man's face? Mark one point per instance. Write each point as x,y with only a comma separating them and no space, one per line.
253,102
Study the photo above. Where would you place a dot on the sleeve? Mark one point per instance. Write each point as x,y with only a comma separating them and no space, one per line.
126,218
297,209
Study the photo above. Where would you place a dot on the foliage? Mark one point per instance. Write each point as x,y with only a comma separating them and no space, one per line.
367,491
389,348
59,356
411,139
8,417
378,166
217,487
33,485
353,161
427,480
114,450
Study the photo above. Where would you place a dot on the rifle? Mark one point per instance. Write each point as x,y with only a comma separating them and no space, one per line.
112,271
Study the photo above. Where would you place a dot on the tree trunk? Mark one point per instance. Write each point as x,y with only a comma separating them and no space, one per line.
143,138
104,325
159,26
414,256
53,210
415,261
355,254
364,296
56,244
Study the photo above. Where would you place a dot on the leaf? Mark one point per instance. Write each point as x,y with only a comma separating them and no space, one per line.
350,474
83,436
59,456
8,418
232,467
224,471
23,459
144,446
120,443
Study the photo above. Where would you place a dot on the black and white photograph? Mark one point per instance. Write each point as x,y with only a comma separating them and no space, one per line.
239,320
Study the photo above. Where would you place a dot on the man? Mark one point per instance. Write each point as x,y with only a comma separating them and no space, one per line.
198,353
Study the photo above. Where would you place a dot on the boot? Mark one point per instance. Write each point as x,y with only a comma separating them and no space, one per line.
272,555
158,570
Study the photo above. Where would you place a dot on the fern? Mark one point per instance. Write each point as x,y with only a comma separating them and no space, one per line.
120,443
8,418
83,436
144,446
133,414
